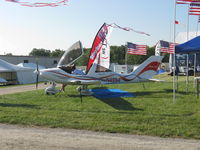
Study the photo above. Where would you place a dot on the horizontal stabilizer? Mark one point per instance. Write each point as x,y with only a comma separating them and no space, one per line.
156,80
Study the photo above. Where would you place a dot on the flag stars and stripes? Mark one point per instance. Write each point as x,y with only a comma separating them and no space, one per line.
167,47
135,49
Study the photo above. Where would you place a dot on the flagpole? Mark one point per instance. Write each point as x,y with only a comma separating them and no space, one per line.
195,63
197,27
174,57
126,50
187,75
188,18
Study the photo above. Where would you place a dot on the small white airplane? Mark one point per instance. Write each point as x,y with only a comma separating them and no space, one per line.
97,71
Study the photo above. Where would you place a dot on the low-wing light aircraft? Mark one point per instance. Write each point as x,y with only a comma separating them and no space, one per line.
97,71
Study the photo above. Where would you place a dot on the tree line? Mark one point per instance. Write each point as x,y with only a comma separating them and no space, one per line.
47,53
117,55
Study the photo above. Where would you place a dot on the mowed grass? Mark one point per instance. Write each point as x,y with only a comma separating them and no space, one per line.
151,112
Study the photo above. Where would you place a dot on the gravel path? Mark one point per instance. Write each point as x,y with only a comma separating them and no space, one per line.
21,88
22,138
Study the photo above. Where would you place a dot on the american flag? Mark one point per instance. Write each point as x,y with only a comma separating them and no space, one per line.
167,47
135,49
183,1
187,1
171,48
195,1
194,9
195,4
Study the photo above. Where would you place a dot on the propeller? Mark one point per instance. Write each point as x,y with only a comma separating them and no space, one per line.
37,75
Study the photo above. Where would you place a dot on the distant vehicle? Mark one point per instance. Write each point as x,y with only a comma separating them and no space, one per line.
3,81
181,60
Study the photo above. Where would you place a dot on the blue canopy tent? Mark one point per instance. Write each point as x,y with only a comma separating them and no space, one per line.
192,46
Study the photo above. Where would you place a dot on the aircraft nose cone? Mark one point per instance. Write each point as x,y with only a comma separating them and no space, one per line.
35,72
44,74
41,73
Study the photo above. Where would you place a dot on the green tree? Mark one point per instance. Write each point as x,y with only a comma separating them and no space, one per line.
9,54
117,54
57,53
40,52
84,59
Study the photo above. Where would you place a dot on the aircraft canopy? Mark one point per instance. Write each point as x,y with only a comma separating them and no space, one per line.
71,55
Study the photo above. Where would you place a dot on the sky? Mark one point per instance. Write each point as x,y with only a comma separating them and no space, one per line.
24,28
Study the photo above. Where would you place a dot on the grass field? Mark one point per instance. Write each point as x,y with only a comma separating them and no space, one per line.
151,112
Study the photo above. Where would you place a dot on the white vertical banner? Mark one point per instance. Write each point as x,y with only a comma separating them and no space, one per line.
157,49
105,50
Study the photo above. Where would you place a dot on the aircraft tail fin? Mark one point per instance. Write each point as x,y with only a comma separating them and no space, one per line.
148,68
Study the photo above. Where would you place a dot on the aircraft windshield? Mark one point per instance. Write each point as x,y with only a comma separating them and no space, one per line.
71,55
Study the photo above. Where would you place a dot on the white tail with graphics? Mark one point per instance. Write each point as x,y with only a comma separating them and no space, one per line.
148,68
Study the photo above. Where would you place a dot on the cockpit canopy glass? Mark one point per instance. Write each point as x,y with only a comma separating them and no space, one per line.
71,55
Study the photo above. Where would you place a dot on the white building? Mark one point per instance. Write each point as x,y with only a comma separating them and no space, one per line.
48,62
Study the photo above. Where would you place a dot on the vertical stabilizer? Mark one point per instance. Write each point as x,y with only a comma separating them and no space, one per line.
148,68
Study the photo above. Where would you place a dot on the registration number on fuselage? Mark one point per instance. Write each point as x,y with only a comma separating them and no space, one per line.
113,80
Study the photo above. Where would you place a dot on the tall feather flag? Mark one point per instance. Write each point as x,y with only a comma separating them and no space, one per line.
135,49
101,44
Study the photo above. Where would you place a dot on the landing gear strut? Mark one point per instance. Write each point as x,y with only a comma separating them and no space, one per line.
84,90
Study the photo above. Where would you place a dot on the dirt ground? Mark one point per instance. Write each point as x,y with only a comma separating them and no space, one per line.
22,138
21,88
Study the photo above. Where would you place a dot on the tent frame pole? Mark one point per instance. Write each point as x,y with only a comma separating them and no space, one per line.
187,73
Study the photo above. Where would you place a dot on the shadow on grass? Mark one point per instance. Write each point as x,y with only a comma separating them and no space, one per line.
18,105
118,103
164,91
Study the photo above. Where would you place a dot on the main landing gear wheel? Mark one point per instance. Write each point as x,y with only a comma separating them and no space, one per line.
51,90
